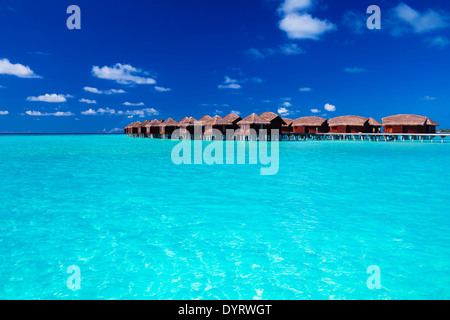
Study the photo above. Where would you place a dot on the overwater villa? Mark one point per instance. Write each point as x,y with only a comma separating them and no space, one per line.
409,123
203,121
310,125
167,128
374,126
217,123
234,119
252,122
187,126
276,122
287,128
259,127
349,124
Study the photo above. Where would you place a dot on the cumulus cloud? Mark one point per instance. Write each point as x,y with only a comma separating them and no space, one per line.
130,113
52,98
282,111
133,104
4,113
108,92
304,26
306,89
330,107
88,101
46,114
315,110
236,112
420,22
123,74
438,42
162,89
17,69
229,84
290,6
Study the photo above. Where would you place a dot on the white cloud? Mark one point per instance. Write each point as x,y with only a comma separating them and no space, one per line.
287,104
218,112
283,111
236,112
50,98
305,89
290,6
355,70
46,114
4,113
421,22
315,110
123,74
88,101
130,113
133,104
17,69
304,26
108,92
438,42
429,98
162,89
330,107
229,84
290,49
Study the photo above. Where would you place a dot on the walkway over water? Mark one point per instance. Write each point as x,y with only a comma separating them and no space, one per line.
376,137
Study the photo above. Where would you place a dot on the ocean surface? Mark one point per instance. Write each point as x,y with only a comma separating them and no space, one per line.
140,227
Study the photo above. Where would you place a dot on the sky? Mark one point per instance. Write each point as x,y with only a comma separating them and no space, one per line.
139,60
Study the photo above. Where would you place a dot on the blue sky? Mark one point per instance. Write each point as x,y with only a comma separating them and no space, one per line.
136,60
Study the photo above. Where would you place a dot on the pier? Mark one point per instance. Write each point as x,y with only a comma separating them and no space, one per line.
369,137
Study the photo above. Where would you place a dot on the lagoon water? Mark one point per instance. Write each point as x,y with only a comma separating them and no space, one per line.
140,227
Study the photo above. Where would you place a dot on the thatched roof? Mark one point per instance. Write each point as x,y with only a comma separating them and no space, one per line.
145,123
153,123
232,117
169,123
205,118
218,121
254,119
182,120
374,122
309,122
187,121
348,121
408,120
271,116
287,121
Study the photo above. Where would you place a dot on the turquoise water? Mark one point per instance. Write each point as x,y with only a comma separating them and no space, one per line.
140,227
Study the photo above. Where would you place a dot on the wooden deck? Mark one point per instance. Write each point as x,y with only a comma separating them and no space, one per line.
374,137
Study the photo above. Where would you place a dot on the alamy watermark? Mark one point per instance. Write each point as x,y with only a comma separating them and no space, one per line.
74,280
229,149
374,281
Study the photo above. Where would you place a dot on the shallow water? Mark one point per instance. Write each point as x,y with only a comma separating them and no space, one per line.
140,227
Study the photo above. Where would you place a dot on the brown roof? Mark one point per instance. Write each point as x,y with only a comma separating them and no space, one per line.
143,124
153,123
408,120
348,121
309,121
187,121
136,124
254,119
218,121
169,123
205,118
232,117
374,122
287,121
270,116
